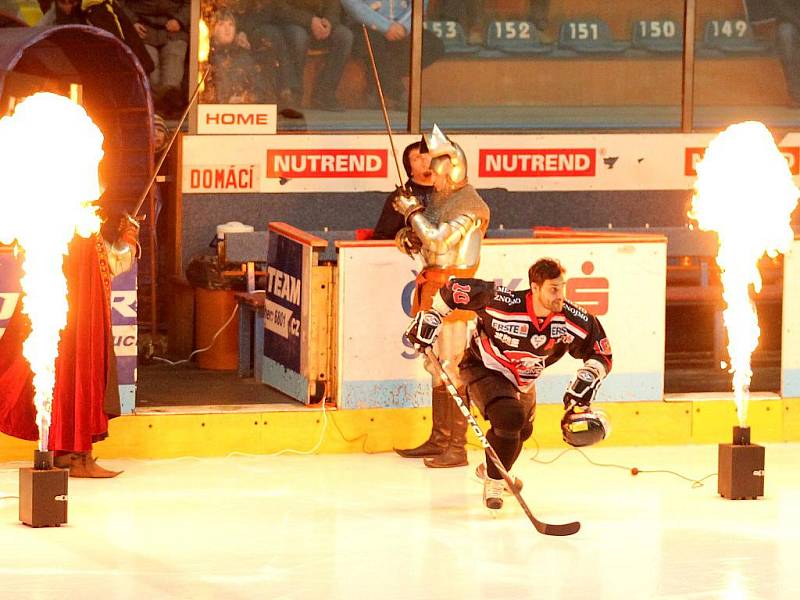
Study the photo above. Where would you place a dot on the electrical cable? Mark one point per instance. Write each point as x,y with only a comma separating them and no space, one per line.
199,350
312,450
319,441
696,483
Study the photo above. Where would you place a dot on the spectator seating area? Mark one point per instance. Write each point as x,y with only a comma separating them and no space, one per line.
582,37
613,55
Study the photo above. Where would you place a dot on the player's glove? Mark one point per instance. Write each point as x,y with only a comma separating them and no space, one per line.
406,204
583,388
424,329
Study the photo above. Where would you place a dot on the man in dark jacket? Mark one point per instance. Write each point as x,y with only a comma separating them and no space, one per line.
317,24
113,17
419,183
163,25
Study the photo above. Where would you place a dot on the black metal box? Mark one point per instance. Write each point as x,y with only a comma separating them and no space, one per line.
741,471
43,496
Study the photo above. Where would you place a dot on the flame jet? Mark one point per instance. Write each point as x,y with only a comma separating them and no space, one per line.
744,192
49,155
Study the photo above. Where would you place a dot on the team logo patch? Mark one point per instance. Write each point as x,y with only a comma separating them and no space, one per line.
517,329
507,339
603,346
538,340
527,365
461,293
576,311
431,319
510,300
567,339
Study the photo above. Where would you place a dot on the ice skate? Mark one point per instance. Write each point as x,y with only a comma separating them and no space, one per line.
480,473
493,493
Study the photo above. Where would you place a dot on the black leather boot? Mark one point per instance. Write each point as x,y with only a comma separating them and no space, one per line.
440,428
456,453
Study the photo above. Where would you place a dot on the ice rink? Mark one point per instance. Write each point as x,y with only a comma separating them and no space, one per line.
379,526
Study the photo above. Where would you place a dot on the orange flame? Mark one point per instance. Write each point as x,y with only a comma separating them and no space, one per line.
42,209
203,42
203,50
744,191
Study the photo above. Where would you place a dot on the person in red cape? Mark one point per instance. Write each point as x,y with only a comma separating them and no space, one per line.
86,393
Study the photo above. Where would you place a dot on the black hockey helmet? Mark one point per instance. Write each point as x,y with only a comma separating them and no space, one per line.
584,427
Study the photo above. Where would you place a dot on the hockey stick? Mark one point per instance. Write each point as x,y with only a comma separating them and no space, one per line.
545,528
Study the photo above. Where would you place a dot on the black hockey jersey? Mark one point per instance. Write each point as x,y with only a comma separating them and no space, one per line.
511,339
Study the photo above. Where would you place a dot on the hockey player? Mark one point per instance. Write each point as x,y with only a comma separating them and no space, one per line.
519,334
447,235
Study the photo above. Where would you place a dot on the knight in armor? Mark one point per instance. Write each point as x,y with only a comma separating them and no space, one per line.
446,234
518,335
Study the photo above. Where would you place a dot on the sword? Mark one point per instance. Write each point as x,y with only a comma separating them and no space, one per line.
132,216
383,104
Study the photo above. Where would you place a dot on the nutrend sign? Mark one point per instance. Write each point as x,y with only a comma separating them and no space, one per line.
695,155
323,164
364,163
537,162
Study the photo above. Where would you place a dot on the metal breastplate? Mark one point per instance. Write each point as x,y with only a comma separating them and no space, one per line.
463,255
462,211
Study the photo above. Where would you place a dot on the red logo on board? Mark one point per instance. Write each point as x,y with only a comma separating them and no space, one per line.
538,162
328,163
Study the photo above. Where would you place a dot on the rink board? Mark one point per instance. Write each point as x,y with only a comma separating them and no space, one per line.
685,419
790,323
290,163
621,280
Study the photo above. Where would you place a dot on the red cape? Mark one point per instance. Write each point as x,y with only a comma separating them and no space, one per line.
83,364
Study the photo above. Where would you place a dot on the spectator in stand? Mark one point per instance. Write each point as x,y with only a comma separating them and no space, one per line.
317,24
389,29
788,45
108,15
468,13
538,14
474,17
12,8
160,134
235,77
163,26
260,31
113,17
62,12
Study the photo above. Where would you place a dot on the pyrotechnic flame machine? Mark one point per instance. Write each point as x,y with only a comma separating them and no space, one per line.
43,492
740,467
746,194
72,154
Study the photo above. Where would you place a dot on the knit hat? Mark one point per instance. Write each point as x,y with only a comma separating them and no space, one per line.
160,127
